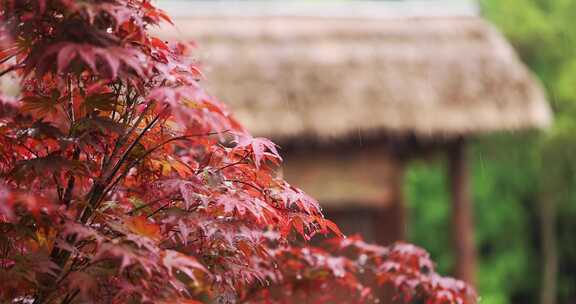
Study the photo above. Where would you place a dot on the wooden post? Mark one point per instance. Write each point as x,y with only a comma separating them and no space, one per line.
390,222
462,212
549,279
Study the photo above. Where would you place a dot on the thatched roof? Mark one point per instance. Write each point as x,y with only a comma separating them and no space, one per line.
330,77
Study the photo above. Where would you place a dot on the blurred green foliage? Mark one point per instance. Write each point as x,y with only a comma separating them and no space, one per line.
506,216
512,173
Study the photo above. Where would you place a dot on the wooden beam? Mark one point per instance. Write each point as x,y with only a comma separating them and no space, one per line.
462,212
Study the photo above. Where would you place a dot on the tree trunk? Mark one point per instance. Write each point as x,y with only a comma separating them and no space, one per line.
462,213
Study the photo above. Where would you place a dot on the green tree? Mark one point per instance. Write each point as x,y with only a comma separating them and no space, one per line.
519,179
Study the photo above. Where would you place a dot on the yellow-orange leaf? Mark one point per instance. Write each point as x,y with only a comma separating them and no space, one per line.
142,226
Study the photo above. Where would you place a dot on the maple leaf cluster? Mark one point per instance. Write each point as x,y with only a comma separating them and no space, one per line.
122,181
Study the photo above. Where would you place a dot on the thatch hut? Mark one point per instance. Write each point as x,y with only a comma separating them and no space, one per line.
353,96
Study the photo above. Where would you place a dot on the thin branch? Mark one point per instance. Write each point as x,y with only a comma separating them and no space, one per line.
29,150
10,69
159,209
59,189
151,150
8,57
123,137
136,209
130,148
234,163
99,189
70,101
67,198
70,297
245,183
118,91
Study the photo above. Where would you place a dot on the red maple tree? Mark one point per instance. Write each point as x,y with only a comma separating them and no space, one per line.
122,181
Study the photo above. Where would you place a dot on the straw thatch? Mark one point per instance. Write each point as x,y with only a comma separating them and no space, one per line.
329,77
